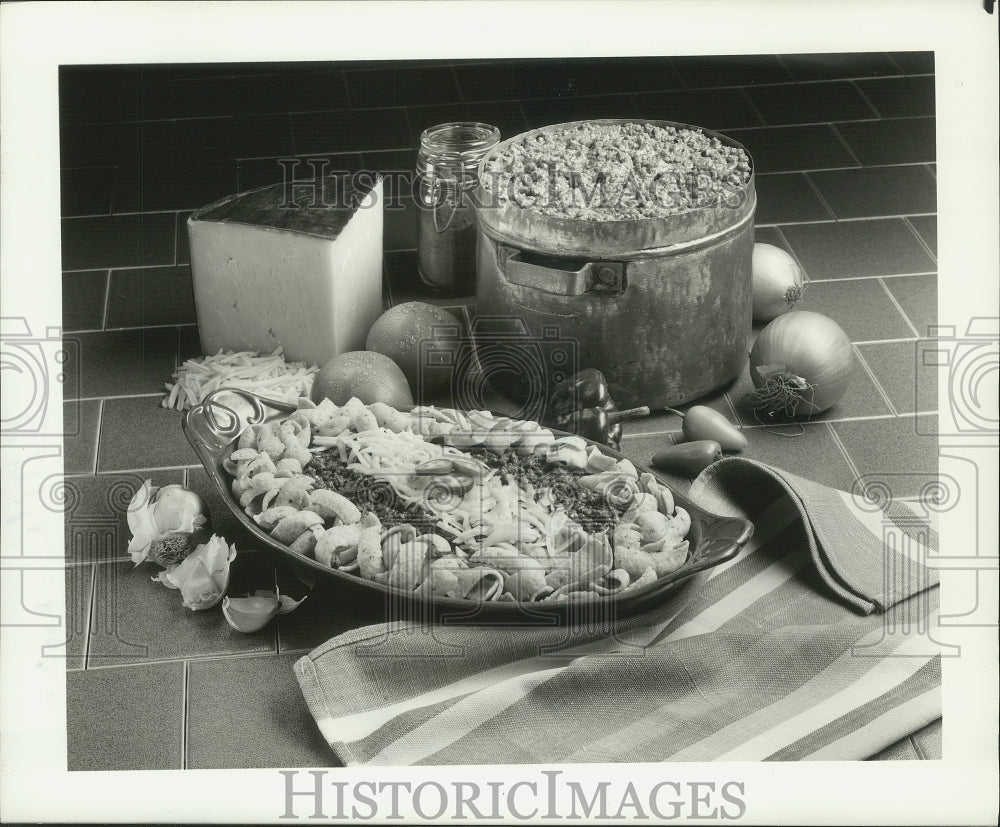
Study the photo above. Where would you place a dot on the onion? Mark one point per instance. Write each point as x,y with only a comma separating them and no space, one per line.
800,365
777,282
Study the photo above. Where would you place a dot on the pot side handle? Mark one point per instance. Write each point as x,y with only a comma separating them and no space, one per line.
544,274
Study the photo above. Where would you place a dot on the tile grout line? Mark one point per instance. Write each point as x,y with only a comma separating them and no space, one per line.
781,62
101,562
791,250
122,471
871,278
347,90
843,450
871,375
524,115
895,63
178,212
292,132
868,418
139,326
853,168
409,127
91,610
866,99
167,326
846,145
454,77
118,171
89,622
847,219
185,705
188,659
888,341
819,195
117,561
814,423
920,239
107,299
68,270
97,438
178,361
732,409
753,106
899,307
121,396
277,637
831,122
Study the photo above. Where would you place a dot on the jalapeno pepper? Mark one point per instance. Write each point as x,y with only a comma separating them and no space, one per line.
582,405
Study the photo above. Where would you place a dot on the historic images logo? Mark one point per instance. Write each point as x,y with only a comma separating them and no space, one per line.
970,368
30,366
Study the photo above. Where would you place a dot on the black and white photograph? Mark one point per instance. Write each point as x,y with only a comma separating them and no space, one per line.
444,433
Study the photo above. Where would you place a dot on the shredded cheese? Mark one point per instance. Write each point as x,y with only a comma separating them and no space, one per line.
268,375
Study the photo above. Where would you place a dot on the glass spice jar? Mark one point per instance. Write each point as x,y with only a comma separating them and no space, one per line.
447,171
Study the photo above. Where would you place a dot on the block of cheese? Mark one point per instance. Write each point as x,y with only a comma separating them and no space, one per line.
301,272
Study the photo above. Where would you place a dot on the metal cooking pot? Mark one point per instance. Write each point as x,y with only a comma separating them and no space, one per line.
661,305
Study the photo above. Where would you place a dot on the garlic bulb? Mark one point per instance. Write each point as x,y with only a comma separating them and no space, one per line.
203,576
166,523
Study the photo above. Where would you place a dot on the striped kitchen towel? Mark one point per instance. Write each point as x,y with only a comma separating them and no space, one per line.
816,642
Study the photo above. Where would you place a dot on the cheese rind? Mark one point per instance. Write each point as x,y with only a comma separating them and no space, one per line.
306,278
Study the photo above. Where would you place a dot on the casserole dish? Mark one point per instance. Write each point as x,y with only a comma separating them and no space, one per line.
213,428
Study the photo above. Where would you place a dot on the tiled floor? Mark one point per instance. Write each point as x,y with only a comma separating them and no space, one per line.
844,149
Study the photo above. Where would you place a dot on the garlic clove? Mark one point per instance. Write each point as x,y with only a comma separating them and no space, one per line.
176,508
249,614
141,522
286,604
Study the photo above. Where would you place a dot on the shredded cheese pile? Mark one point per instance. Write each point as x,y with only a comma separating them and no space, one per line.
269,376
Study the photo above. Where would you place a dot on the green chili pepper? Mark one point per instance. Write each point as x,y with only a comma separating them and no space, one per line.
688,459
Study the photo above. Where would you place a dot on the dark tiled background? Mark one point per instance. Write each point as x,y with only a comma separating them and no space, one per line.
844,147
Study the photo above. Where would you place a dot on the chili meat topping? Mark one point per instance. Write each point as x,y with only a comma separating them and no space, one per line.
367,492
590,509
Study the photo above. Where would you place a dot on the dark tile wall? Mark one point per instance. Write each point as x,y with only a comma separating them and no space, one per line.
844,146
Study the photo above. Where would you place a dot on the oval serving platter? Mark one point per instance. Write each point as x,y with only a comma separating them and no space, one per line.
213,428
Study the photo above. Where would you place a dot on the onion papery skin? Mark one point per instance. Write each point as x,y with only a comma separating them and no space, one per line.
807,352
778,283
